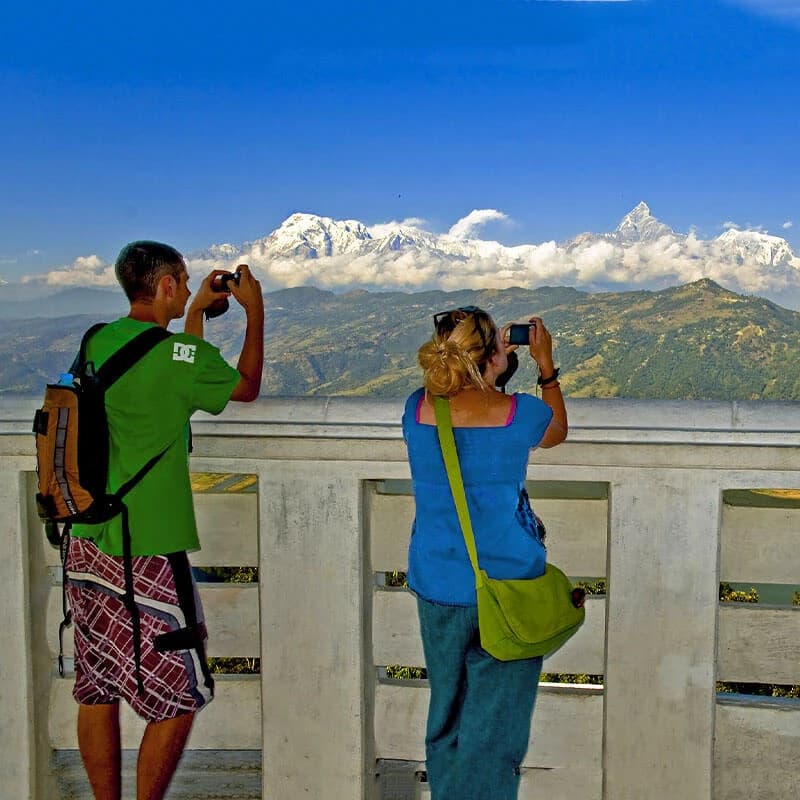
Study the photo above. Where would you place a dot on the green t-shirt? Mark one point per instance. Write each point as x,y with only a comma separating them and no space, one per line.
148,410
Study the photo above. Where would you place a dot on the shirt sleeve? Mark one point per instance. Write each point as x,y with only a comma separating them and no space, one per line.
410,411
537,416
214,379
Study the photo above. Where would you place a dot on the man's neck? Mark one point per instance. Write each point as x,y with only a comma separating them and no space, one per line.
149,312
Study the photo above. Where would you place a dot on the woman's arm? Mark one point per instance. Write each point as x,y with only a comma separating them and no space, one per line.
541,349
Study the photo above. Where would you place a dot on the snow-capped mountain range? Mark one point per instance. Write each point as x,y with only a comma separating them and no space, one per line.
308,236
642,252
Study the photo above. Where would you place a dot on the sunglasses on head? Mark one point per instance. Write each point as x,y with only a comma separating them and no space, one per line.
453,317
446,321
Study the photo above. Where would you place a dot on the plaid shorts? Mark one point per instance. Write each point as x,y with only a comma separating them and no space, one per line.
173,633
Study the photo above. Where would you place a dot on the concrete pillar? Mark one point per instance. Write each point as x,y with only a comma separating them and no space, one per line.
312,631
18,751
662,611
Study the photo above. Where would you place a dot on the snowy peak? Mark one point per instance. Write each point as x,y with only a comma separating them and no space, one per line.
311,236
639,225
762,248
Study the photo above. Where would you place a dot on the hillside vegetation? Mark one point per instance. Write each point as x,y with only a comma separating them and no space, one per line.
697,341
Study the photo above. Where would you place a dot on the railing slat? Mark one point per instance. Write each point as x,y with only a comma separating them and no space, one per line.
577,534
756,750
567,726
228,528
758,645
231,614
560,783
576,539
760,545
390,518
396,638
231,722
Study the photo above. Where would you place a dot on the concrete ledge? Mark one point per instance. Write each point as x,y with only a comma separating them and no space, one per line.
603,421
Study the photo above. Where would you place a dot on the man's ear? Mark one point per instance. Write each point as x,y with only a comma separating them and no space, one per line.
165,288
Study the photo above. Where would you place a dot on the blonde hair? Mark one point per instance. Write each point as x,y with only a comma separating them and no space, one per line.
456,358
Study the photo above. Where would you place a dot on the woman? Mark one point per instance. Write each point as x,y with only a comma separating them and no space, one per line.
480,708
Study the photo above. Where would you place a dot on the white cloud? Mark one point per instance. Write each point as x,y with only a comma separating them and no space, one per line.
83,271
384,228
467,226
747,226
743,260
788,224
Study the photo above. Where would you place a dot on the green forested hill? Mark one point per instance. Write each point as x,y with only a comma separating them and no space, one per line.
697,341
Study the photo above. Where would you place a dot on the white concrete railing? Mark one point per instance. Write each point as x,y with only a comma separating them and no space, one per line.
324,522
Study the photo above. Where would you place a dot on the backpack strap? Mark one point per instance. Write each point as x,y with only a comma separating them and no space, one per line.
80,359
118,364
112,370
66,612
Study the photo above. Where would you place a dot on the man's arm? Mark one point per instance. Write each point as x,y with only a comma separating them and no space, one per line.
202,300
251,359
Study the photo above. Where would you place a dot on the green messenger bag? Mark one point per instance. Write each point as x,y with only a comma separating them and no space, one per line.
516,618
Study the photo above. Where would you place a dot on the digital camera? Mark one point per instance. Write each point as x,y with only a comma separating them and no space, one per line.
221,282
520,334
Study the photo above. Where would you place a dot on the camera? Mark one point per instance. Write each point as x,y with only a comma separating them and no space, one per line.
520,334
221,282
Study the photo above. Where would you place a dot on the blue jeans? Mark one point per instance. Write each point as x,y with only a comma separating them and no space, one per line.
480,711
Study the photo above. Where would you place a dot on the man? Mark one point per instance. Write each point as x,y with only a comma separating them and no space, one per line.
148,411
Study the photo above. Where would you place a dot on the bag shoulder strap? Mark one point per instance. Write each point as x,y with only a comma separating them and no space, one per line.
118,364
447,441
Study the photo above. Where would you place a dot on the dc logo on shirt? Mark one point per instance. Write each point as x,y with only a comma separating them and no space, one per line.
184,352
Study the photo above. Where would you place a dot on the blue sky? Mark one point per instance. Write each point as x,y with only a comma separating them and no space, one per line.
203,122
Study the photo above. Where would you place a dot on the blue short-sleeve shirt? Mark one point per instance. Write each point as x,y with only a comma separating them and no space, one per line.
493,465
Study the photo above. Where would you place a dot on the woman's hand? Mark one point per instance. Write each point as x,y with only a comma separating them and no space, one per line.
541,346
509,348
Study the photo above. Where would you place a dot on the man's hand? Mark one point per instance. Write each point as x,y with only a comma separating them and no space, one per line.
248,292
205,295
251,359
203,298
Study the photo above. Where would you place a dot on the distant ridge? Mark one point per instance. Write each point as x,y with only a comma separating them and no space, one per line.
696,341
65,303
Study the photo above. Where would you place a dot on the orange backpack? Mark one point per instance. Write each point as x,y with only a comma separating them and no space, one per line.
72,438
